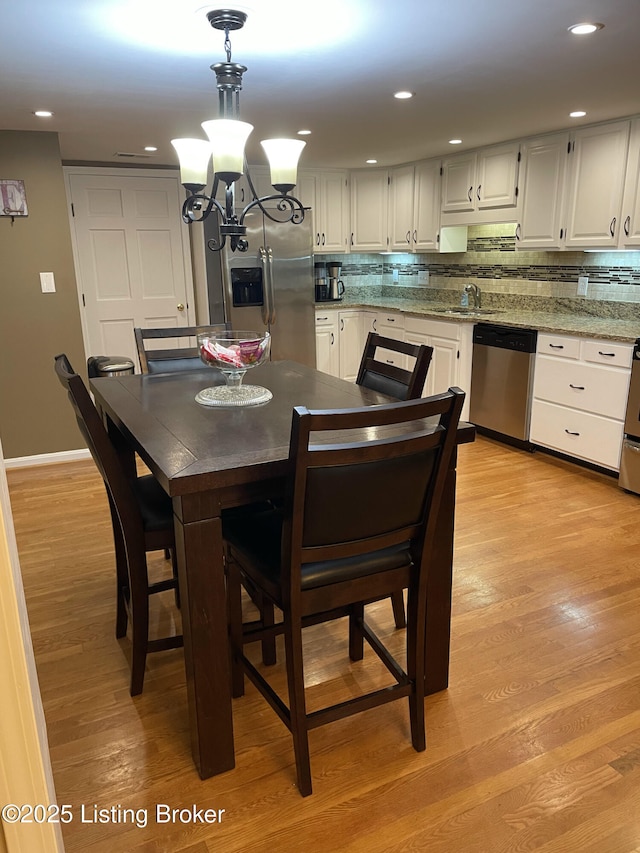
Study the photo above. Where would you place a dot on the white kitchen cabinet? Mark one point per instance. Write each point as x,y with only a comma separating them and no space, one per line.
483,180
452,352
629,233
326,192
327,342
369,192
390,324
350,342
414,207
579,397
542,185
595,183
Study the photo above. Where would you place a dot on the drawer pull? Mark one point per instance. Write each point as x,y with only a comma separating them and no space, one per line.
322,318
556,346
607,354
576,387
568,432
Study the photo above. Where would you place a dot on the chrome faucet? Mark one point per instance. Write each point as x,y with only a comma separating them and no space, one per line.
476,292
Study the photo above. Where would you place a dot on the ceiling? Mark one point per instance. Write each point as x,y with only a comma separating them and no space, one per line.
120,75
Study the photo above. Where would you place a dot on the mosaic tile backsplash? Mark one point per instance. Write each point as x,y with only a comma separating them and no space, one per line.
492,261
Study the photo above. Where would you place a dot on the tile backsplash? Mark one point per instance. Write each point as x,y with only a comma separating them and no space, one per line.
492,261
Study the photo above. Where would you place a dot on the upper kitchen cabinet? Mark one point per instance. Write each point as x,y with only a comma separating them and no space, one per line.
414,207
326,193
595,184
629,233
481,185
369,210
542,182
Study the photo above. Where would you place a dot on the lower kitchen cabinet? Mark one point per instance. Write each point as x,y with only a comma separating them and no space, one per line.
452,351
339,342
327,346
579,397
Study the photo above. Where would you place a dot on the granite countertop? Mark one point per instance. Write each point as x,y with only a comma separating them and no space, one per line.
586,325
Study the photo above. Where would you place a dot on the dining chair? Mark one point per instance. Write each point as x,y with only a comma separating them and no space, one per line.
358,524
172,359
397,382
142,518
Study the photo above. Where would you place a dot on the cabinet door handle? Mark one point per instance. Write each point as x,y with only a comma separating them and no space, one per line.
518,231
415,236
478,191
612,227
342,325
576,387
320,319
408,236
389,361
333,339
390,320
352,238
627,226
470,193
317,238
607,354
568,432
323,238
561,233
374,325
556,346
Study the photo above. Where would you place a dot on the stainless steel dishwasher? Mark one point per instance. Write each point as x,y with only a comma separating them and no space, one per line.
502,380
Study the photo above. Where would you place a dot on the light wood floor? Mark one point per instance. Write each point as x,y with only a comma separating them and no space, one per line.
535,746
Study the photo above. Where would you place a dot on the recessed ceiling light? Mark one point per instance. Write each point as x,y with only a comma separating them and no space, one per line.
43,113
577,114
401,96
150,148
371,161
304,132
455,141
584,29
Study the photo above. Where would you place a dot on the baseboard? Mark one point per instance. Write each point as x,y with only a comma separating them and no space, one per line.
47,458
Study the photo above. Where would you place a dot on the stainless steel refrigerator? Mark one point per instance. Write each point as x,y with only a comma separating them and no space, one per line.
270,286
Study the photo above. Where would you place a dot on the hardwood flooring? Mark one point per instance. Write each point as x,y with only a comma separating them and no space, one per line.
535,746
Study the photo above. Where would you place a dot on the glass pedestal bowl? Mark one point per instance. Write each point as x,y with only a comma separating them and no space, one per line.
233,353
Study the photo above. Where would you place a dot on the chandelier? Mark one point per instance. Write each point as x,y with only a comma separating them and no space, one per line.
227,139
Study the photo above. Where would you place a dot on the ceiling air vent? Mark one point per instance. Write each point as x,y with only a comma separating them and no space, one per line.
130,154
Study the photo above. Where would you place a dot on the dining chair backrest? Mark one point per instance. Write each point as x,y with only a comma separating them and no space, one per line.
172,359
103,452
364,482
388,378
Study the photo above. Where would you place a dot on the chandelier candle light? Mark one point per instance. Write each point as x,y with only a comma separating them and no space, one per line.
227,139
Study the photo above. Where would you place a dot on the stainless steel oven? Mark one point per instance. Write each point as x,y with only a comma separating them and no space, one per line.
630,459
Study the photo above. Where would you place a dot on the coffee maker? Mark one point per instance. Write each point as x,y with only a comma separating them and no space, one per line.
336,287
320,276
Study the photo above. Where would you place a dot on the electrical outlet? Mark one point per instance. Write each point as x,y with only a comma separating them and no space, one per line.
47,282
395,276
583,282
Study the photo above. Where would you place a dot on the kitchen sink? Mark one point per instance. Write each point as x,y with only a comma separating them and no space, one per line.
469,312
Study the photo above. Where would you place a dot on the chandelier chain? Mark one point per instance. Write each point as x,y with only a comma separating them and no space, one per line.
227,44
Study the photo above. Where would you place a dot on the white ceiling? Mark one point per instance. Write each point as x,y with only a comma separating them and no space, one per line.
122,74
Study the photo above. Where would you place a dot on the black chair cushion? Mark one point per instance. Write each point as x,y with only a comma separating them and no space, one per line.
155,503
258,535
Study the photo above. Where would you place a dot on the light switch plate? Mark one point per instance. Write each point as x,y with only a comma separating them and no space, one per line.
47,282
583,282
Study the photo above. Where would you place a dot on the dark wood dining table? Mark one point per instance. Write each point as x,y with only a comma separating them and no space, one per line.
210,459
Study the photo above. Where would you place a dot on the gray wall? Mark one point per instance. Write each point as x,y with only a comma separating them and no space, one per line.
35,415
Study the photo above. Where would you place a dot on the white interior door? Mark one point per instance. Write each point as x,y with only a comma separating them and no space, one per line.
132,263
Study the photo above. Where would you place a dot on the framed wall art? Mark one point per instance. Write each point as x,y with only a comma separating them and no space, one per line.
13,198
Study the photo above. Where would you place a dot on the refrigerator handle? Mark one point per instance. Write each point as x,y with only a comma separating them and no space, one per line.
266,296
272,300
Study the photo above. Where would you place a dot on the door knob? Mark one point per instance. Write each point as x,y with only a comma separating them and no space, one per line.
180,306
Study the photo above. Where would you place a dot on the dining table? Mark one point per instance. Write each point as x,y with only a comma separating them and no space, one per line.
212,459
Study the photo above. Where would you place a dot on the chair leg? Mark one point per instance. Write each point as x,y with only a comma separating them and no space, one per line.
122,575
140,639
397,602
234,616
356,637
174,569
297,705
416,636
267,617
